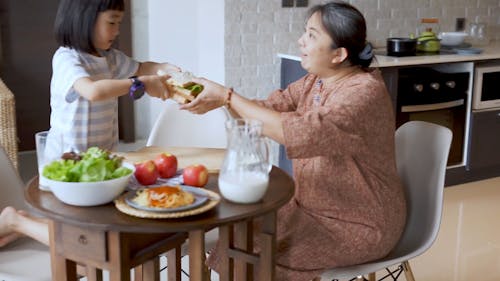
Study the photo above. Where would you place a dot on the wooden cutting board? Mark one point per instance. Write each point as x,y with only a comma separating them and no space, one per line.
209,157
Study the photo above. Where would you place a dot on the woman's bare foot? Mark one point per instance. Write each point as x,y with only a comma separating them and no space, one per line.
7,238
8,217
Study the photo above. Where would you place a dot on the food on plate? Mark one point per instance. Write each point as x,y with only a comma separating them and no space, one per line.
93,165
146,172
163,197
182,87
166,164
195,175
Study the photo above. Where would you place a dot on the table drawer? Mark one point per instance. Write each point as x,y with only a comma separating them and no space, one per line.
83,244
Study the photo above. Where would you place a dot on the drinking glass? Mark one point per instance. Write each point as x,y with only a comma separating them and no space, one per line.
41,143
49,147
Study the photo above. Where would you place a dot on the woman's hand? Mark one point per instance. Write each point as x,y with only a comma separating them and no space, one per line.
213,96
169,68
155,85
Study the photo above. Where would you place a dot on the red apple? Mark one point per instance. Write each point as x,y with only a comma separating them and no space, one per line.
195,175
166,164
146,172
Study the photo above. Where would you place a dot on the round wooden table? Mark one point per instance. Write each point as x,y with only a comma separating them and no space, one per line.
102,237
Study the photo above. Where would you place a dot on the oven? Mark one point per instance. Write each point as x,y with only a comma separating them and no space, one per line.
486,92
436,96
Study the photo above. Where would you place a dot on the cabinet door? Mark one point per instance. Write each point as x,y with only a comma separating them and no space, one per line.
485,139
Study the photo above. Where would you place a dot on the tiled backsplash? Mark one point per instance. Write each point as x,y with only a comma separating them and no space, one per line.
256,30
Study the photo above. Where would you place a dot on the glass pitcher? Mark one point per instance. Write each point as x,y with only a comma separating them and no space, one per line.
244,175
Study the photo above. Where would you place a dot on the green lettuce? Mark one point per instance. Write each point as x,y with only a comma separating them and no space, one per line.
95,165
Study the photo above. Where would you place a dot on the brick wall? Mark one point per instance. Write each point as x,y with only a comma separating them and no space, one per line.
257,30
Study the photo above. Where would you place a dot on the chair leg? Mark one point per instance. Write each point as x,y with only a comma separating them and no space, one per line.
408,273
372,277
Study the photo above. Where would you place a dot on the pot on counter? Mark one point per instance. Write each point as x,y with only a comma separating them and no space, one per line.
401,46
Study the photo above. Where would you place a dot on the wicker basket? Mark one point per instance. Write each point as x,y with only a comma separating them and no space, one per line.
8,131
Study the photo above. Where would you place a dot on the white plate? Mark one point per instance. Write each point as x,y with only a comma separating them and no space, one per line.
200,198
468,51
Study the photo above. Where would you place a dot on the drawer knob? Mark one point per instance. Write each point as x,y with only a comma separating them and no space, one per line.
82,239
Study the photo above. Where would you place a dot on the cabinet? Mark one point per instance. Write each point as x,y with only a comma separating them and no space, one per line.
484,139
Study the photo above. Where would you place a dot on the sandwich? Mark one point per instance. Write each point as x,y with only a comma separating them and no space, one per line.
181,86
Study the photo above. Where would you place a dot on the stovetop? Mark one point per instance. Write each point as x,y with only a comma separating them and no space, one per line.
464,49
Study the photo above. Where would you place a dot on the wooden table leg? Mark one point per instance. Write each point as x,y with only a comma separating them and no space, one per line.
93,273
225,241
266,267
148,271
197,268
62,269
174,264
118,269
243,240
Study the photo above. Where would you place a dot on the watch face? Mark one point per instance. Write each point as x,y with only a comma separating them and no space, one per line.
137,88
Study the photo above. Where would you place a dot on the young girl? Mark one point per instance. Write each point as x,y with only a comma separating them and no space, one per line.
89,75
337,124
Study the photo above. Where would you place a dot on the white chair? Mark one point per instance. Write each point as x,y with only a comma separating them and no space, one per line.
175,127
24,259
421,156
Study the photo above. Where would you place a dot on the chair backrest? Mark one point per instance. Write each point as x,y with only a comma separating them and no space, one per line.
175,127
8,129
421,155
12,186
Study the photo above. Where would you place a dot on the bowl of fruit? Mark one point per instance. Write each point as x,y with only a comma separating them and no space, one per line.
91,178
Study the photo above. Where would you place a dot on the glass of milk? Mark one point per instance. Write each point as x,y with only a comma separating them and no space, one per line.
244,174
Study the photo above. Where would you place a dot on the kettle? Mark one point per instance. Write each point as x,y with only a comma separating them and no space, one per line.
428,42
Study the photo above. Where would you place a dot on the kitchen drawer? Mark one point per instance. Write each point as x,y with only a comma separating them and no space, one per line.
83,244
484,145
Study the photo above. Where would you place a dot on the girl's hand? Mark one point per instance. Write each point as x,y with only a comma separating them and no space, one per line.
155,85
213,96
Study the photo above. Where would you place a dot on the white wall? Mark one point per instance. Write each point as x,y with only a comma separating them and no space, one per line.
188,33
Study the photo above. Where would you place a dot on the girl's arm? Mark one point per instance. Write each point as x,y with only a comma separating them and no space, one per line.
112,88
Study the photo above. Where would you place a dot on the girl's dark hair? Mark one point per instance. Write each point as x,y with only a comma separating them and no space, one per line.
347,27
75,22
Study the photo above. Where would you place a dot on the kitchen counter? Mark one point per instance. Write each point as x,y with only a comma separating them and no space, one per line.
490,52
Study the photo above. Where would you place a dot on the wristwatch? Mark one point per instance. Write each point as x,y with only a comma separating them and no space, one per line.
136,89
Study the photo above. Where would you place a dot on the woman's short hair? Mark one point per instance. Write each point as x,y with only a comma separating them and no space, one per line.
347,27
75,22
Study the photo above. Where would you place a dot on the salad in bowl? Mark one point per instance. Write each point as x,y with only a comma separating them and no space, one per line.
91,178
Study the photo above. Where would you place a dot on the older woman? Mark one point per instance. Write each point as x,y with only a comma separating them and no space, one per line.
337,125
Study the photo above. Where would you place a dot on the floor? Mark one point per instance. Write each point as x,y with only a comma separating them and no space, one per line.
468,243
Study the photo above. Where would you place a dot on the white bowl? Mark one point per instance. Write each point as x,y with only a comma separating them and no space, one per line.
89,193
452,38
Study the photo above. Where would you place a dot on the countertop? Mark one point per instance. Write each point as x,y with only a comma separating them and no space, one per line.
490,52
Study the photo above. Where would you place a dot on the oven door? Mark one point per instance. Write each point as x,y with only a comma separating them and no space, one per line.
449,114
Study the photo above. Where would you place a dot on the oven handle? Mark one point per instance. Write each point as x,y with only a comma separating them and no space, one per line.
433,106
